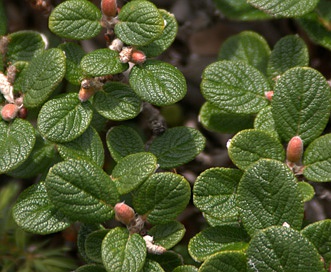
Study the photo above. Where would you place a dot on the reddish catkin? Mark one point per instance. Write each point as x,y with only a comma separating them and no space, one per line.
109,8
124,213
9,112
294,150
85,94
138,57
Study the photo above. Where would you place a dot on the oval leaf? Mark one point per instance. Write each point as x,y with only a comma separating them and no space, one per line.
132,170
117,101
102,62
158,83
248,146
265,121
42,76
82,191
162,197
177,146
93,245
282,249
268,195
151,266
301,104
122,252
65,118
35,213
123,141
140,22
186,268
235,87
78,20
16,143
317,159
228,261
214,192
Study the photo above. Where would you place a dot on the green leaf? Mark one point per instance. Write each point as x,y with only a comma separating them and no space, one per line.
177,146
285,8
82,191
248,146
318,234
168,260
214,192
42,76
162,197
301,104
216,239
268,195
289,52
88,146
117,101
140,23
186,268
247,46
152,266
227,261
220,221
265,121
64,119
38,161
93,244
317,160
157,82
35,213
77,20
3,19
168,35
102,62
123,141
16,143
235,87
218,120
74,54
132,170
240,10
91,268
24,45
168,234
122,252
306,190
282,249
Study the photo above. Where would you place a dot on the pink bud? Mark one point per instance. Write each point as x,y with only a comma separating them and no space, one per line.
138,57
124,213
9,112
269,95
85,94
109,8
294,150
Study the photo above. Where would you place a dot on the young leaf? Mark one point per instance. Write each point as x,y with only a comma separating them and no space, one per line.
162,197
249,47
235,87
74,54
117,101
177,146
64,119
214,192
88,146
268,195
123,141
157,82
78,19
168,260
24,45
282,249
93,244
156,47
265,121
140,22
151,266
301,104
132,170
285,8
248,146
227,261
16,143
318,234
216,119
122,252
168,234
35,213
289,52
82,191
317,159
306,190
216,239
102,62
42,76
